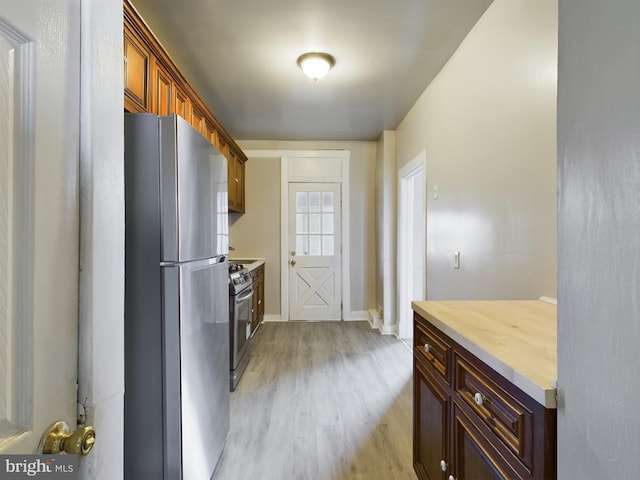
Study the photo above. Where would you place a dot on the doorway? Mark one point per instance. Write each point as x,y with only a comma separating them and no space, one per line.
412,231
319,168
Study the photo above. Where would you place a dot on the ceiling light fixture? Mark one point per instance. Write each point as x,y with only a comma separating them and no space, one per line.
316,65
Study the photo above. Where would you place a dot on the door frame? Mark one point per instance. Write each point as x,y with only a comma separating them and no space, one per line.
287,174
408,254
101,276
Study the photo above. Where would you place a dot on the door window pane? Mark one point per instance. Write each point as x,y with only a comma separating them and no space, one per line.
314,223
302,245
327,202
327,223
314,201
301,223
301,201
315,247
327,245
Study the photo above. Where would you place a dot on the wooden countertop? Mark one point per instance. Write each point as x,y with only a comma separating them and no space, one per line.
518,339
249,263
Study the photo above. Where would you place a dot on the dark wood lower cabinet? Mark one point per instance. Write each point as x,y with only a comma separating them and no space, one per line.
257,308
431,423
470,423
475,459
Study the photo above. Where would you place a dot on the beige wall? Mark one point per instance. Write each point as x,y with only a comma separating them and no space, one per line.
488,123
257,232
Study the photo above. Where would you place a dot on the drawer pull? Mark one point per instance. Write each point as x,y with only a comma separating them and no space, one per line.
443,465
451,477
427,347
479,398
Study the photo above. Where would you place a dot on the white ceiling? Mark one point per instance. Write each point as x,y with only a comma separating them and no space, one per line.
240,55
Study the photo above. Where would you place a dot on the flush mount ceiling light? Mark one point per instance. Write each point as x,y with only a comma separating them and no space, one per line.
315,65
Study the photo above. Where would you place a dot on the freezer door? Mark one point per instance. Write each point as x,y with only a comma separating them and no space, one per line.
193,194
196,367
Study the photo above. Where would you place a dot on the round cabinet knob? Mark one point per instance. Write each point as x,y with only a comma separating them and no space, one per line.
443,465
479,398
451,477
427,347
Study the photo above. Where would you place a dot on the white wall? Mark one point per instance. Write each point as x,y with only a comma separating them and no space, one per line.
488,125
598,239
246,231
256,233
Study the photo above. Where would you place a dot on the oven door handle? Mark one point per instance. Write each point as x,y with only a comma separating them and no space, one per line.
243,296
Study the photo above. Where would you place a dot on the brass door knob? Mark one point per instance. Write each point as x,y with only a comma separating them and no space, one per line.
293,262
60,439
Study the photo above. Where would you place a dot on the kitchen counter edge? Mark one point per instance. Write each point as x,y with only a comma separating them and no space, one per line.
543,394
251,266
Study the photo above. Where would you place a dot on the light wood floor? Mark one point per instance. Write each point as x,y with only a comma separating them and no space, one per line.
321,401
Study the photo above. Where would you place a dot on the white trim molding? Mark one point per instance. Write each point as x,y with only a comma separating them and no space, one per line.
412,224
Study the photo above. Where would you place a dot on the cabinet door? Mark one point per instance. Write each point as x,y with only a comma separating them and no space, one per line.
254,311
257,276
162,93
221,144
430,424
210,132
474,457
198,121
238,179
136,73
182,104
261,294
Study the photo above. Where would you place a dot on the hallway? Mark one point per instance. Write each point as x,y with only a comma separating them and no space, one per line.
321,401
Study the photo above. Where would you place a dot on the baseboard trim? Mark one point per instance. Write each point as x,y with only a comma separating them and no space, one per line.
389,329
357,316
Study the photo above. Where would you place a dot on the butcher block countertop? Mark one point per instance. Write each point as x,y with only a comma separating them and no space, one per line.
518,339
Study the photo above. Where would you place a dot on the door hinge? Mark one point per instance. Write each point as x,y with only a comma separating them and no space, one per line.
82,417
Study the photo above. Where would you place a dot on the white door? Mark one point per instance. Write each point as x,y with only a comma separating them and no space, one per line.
39,129
314,251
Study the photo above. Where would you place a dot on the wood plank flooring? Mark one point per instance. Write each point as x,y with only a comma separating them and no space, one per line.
321,401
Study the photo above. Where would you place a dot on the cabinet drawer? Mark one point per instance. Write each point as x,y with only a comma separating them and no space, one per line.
432,346
507,417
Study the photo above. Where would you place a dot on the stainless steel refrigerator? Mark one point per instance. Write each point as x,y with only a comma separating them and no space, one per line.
176,301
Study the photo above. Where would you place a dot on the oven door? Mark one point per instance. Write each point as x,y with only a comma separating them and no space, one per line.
242,305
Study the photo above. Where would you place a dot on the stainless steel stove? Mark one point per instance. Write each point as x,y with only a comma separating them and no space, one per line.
240,310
